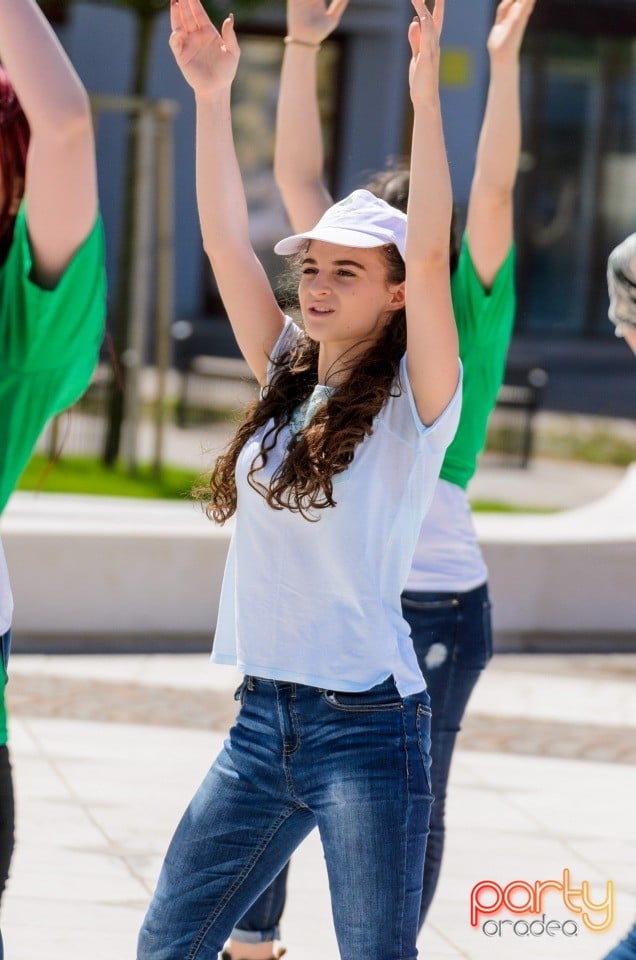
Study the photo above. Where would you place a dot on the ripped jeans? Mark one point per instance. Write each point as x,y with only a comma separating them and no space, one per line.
452,637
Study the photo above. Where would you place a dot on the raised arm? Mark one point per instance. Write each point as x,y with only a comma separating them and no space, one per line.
208,60
490,209
630,337
61,182
431,334
299,156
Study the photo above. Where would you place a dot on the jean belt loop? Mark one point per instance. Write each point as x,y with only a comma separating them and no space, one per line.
249,683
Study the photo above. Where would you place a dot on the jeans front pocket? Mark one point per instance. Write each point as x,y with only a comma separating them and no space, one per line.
379,699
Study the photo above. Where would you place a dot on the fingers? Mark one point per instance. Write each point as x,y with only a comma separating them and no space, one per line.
527,6
504,9
438,15
228,34
420,8
175,16
415,37
336,9
188,19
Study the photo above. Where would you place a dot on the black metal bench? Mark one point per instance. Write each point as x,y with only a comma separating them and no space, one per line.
520,395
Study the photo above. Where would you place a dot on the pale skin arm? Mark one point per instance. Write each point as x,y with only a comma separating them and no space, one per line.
630,338
299,155
208,60
431,332
490,210
61,181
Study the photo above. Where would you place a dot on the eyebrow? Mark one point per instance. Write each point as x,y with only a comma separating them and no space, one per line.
338,263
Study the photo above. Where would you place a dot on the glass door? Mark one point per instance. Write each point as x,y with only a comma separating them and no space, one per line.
577,187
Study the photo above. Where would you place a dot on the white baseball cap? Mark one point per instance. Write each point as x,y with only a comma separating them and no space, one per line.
360,220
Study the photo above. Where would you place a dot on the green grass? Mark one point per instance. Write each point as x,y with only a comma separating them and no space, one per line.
497,506
87,475
596,446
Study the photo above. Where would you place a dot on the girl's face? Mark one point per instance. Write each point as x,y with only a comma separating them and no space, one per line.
345,297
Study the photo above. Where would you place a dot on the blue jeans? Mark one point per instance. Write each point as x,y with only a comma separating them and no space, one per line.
7,812
452,636
626,949
356,765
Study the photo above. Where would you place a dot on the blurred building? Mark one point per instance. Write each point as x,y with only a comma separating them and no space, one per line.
576,196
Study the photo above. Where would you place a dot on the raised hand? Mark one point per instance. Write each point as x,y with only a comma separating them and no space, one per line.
506,36
424,34
207,59
312,21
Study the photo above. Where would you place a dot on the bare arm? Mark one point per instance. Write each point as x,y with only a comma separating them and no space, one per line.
299,155
490,209
630,337
431,333
208,60
61,182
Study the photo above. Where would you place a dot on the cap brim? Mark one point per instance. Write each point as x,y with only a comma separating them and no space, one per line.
337,235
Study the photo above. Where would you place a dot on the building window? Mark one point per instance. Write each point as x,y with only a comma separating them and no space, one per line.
254,99
577,189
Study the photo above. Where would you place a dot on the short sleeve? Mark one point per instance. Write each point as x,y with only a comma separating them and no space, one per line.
482,315
289,337
44,330
400,415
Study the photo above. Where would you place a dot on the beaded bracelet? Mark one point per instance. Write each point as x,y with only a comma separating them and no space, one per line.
301,43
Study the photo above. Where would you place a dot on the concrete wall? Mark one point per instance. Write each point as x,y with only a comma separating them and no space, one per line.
150,572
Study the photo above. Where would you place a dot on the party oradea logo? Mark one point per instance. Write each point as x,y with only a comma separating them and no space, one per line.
490,902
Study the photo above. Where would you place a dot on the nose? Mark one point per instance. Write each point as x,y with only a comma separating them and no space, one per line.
318,284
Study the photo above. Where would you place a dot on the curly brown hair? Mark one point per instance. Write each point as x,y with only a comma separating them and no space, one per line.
303,482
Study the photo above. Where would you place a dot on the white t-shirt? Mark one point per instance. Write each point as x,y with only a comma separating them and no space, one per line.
319,603
6,600
447,557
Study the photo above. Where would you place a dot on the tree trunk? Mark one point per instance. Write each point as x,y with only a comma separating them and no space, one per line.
145,27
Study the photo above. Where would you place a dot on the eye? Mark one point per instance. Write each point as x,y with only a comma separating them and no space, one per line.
345,273
308,270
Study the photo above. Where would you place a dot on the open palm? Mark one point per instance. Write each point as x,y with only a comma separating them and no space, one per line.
312,20
424,36
207,59
511,20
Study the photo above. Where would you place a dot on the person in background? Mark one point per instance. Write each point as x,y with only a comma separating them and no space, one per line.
328,476
446,600
52,283
621,282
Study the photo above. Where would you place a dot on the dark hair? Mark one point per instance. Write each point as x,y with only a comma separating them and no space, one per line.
14,145
303,482
392,185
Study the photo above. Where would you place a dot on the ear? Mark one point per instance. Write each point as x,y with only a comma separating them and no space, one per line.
17,193
397,296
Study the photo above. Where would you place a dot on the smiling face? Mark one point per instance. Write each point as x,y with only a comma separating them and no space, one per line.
345,295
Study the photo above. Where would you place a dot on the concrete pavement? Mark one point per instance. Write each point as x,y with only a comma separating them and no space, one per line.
108,750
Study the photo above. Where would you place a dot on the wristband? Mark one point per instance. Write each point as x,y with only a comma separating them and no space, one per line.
301,43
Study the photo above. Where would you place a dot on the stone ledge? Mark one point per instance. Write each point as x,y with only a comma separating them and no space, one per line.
109,567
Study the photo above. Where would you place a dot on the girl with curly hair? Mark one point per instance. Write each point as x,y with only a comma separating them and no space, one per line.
327,479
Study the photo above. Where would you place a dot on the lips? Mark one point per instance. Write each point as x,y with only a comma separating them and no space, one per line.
320,311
